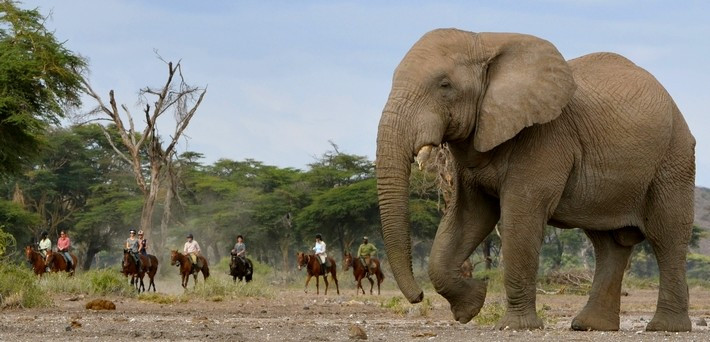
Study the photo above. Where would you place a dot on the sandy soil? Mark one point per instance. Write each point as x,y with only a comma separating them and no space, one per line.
292,315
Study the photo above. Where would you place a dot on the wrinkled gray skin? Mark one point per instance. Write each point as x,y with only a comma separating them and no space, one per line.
595,142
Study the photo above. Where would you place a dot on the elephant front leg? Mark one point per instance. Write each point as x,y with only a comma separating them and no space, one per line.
521,242
469,220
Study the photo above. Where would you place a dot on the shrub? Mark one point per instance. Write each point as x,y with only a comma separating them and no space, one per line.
219,288
19,288
94,282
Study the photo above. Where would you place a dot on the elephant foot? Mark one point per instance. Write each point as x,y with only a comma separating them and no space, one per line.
470,302
666,321
595,319
526,321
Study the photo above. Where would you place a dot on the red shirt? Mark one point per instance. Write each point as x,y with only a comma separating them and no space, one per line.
63,243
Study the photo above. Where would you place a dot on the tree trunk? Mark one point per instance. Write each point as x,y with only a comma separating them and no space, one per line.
487,253
90,253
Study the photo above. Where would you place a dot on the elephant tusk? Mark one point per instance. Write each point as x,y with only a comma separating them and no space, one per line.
423,156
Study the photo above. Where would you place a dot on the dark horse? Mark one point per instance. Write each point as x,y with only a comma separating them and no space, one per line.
149,265
184,263
241,268
36,260
360,272
313,267
57,263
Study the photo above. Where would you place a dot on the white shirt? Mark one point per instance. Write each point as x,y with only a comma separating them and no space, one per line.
191,247
45,244
319,248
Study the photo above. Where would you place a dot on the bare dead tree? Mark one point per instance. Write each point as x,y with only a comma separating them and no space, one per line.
145,152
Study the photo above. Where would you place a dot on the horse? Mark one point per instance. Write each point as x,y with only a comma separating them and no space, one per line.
241,268
360,272
36,260
57,263
312,264
184,263
149,265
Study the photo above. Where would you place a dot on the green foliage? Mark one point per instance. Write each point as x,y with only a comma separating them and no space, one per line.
40,78
19,288
698,266
490,313
217,289
395,304
94,282
161,298
7,241
14,221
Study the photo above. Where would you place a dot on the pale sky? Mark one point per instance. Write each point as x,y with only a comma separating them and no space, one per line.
285,77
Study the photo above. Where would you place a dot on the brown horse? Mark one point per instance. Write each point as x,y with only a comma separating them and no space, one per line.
184,263
149,265
360,272
313,268
36,260
57,263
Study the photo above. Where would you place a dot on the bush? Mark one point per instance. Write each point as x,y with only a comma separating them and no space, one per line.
218,288
161,298
19,288
100,282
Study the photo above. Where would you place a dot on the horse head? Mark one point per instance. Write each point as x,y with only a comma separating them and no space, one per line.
28,252
174,256
126,258
347,261
50,257
302,259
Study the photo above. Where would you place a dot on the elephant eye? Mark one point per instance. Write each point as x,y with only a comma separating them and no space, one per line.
445,84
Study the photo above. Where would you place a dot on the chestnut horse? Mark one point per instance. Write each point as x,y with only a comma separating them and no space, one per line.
149,265
359,272
57,263
313,268
36,260
184,263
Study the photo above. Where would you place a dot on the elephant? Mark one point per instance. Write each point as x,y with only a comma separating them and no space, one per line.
594,143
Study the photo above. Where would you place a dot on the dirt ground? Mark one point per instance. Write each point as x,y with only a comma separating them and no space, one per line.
292,315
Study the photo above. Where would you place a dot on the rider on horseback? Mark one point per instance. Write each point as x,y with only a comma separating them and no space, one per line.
132,245
365,253
192,248
63,245
45,244
319,250
240,251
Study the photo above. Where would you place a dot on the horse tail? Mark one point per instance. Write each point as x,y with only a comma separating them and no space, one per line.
205,269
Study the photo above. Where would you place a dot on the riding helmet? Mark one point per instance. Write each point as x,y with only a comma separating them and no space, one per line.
189,235
319,237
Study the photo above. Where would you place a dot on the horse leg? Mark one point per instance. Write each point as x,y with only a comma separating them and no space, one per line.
335,279
194,275
379,281
317,285
325,279
372,284
359,286
308,279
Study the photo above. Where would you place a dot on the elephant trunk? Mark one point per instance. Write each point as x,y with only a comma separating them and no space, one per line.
393,167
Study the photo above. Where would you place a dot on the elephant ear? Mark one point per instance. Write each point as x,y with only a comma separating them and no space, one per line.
528,82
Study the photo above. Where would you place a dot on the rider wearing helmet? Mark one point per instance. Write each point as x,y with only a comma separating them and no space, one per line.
319,250
192,248
132,247
45,244
142,244
366,251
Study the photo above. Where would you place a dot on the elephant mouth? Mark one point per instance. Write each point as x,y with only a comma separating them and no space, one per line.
424,157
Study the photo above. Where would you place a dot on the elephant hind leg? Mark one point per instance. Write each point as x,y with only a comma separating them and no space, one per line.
669,223
602,309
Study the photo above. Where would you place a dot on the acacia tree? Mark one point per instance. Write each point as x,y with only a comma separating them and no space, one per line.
146,154
39,79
